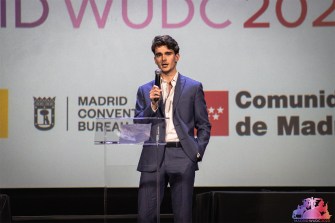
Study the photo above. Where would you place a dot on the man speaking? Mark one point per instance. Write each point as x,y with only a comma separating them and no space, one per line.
181,101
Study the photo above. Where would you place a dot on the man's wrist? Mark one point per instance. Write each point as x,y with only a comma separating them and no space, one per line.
154,106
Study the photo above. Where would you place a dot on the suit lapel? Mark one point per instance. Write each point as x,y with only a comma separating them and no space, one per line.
178,91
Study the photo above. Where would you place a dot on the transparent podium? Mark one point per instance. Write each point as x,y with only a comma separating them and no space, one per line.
122,140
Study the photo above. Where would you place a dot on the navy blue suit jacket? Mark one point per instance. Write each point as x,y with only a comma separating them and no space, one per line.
189,113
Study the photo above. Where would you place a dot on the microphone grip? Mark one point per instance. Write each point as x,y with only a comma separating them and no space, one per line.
158,80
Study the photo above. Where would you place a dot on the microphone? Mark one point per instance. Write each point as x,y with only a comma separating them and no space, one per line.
157,83
158,80
158,77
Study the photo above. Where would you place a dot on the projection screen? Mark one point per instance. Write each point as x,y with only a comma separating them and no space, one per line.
267,68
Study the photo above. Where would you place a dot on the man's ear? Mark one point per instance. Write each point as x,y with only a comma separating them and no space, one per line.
177,57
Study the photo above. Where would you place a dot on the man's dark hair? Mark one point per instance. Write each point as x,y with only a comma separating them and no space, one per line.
167,41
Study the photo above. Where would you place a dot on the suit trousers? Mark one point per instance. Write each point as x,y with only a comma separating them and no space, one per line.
178,171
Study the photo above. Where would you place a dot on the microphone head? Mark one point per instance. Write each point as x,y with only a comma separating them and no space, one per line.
158,71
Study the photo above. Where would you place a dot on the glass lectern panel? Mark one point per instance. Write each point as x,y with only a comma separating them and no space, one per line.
122,140
138,131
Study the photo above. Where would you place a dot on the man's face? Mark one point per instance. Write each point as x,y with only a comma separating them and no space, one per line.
166,59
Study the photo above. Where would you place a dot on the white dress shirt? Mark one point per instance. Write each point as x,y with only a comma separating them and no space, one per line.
171,134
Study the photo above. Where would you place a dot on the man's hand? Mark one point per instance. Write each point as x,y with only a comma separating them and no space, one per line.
155,94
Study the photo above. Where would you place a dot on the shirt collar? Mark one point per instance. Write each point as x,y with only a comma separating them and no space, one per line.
173,81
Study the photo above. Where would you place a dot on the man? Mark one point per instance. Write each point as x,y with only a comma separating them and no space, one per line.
180,100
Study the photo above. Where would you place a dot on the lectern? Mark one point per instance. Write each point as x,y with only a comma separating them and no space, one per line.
123,134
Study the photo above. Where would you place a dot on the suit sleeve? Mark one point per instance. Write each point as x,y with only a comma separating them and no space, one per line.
202,123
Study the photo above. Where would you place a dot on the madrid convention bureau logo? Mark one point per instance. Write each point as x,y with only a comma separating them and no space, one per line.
312,210
44,113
